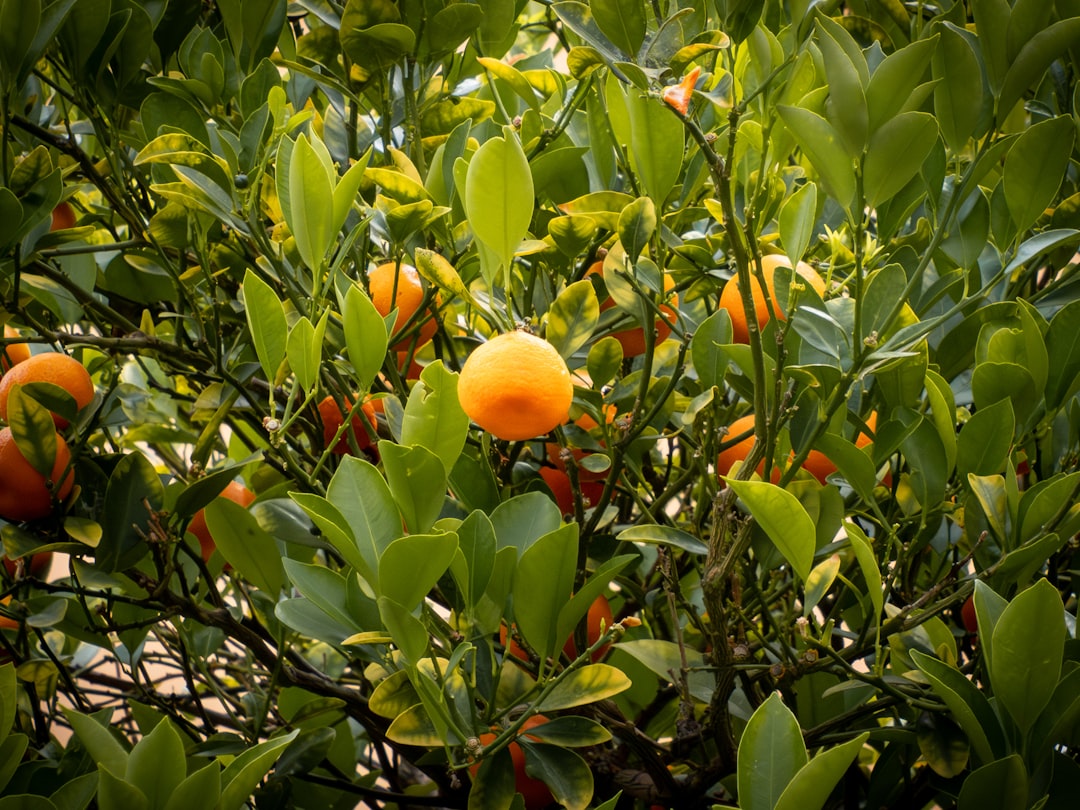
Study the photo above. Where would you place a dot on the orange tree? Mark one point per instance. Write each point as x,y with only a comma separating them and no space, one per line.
233,176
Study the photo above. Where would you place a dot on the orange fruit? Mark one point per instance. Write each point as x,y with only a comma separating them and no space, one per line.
731,297
24,494
50,367
393,286
332,417
559,484
235,492
36,565
737,452
516,386
63,216
14,353
536,793
819,465
587,423
598,621
633,340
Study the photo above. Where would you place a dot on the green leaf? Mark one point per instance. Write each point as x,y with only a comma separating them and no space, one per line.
783,518
414,727
562,770
408,632
1043,502
896,154
1034,59
543,582
589,684
960,93
33,430
637,224
605,358
417,480
654,533
434,418
622,21
326,588
942,744
1035,165
267,324
200,789
476,542
820,141
11,756
989,492
1063,354
499,196
411,565
365,336
821,578
493,785
810,788
98,741
19,21
299,348
894,80
796,221
152,764
245,545
999,785
846,107
8,698
968,705
360,493
573,317
244,773
523,519
993,382
571,732
115,793
134,490
706,348
771,752
868,564
1026,665
985,440
311,203
658,141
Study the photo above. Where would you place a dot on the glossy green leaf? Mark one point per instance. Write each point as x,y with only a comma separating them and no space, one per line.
821,578
365,336
134,490
144,766
12,749
846,108
361,495
407,631
311,188
411,565
637,224
1063,354
245,545
783,519
999,785
414,727
942,744
523,519
266,322
324,587
573,317
115,793
417,480
896,154
959,94
1035,166
243,774
868,564
493,785
589,684
989,492
575,610
796,221
970,707
771,752
1034,59
623,21
98,741
562,770
1026,665
984,441
657,139
19,23
8,697
298,349
434,418
571,732
543,583
893,81
810,788
821,143
993,382
663,535
476,543
33,430
499,195
1044,503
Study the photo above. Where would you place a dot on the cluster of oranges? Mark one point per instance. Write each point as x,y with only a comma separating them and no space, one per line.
26,494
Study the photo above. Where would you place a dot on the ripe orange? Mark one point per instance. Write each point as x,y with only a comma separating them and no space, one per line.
235,492
63,216
536,793
516,386
559,484
633,340
36,565
599,620
14,353
737,452
731,297
24,494
50,367
819,465
587,423
407,298
332,417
